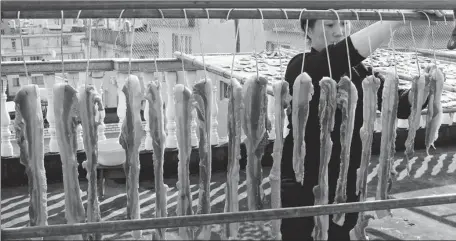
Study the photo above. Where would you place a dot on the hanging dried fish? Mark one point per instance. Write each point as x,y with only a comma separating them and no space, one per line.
435,111
326,111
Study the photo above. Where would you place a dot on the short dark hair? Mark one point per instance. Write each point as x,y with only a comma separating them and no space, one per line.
304,22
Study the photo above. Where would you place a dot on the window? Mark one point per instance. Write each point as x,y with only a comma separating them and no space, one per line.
35,57
26,42
13,43
38,80
223,90
16,82
66,41
75,56
17,59
182,43
3,31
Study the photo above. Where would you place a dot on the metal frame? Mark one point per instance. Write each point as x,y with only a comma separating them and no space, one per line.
227,14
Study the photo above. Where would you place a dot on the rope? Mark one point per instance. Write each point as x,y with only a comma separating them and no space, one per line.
327,50
61,50
280,56
22,47
416,50
305,40
235,42
89,43
394,50
180,40
201,46
131,47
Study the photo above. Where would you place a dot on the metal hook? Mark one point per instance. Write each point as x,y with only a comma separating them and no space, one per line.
161,14
403,16
77,17
327,50
22,46
207,13
305,42
445,19
285,13
61,49
228,14
185,14
427,16
261,13
380,15
119,24
300,14
416,51
432,36
337,15
356,13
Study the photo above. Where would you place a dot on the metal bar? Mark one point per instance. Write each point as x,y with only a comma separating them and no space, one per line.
219,218
20,5
191,60
223,13
53,66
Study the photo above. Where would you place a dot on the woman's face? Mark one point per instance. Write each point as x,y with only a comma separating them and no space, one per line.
333,30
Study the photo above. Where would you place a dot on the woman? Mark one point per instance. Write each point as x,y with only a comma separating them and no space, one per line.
294,194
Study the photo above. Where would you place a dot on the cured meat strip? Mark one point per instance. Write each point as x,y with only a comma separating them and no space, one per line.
417,95
281,102
157,132
234,154
67,112
347,98
302,94
88,99
326,111
387,145
130,139
184,107
202,95
435,111
29,128
254,125
370,89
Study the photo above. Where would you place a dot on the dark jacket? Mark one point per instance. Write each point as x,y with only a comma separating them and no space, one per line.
316,66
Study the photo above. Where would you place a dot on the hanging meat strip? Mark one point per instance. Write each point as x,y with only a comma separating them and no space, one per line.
202,95
66,110
417,95
302,94
435,111
130,139
326,111
184,108
370,89
254,125
29,128
390,100
88,100
282,100
347,98
234,154
157,132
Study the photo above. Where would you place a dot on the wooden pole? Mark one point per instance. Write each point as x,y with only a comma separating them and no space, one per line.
205,219
222,14
65,5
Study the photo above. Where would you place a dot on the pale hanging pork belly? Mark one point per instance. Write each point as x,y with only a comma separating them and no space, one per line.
390,100
303,91
202,96
282,100
234,154
130,139
254,125
435,111
88,100
347,99
66,110
157,132
417,95
29,128
326,111
370,85
184,107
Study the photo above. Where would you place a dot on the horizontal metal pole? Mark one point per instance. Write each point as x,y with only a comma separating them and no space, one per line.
223,14
21,5
219,218
191,60
55,66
